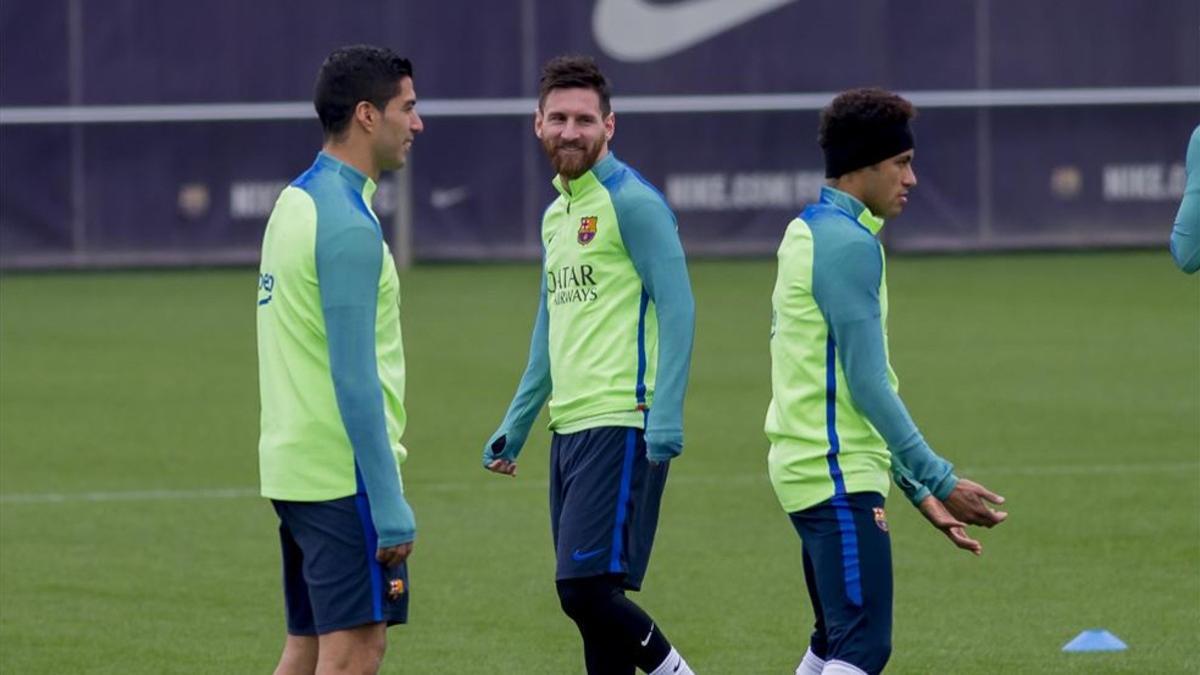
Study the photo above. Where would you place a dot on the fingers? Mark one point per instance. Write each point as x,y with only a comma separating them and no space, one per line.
950,523
983,515
503,466
969,503
958,535
393,555
935,512
954,529
996,517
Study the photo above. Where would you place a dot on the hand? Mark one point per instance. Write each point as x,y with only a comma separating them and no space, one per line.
493,456
969,503
502,466
394,555
937,515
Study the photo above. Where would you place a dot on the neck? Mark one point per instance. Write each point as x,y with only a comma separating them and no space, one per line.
849,187
350,153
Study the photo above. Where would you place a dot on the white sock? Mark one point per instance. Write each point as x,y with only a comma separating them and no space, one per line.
842,668
673,665
811,664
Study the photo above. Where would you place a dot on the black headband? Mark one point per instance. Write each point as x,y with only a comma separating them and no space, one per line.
871,146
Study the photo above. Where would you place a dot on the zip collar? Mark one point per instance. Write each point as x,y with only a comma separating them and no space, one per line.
851,206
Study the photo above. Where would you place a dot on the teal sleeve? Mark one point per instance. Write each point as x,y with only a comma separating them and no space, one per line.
531,395
1185,236
349,260
847,272
652,241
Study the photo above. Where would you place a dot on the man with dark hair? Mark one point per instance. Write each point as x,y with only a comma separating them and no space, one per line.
331,375
611,349
836,424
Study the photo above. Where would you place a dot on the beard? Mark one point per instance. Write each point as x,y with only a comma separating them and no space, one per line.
572,165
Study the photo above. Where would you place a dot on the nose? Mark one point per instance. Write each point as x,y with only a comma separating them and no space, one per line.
570,131
417,125
910,177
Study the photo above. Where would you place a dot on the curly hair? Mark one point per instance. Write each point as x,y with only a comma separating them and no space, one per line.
856,111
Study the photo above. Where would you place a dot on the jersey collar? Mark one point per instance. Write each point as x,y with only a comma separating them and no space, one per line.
358,180
846,202
593,178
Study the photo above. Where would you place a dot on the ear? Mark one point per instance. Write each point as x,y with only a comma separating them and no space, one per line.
610,126
537,123
366,115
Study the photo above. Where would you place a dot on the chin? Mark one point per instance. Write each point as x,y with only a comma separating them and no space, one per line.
571,171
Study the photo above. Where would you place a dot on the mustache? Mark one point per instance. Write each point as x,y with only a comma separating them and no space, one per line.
570,146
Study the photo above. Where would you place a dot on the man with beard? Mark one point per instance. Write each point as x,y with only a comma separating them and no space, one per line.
611,349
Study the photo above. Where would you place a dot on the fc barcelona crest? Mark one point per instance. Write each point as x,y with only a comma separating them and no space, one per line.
587,230
881,518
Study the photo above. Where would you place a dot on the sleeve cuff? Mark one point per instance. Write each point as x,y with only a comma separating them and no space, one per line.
944,487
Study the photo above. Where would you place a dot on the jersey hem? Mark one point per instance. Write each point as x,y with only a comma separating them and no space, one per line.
631,418
306,496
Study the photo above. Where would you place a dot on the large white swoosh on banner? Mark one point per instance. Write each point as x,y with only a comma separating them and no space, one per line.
638,30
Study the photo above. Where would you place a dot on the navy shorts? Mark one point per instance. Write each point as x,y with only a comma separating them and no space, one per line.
331,580
848,570
604,500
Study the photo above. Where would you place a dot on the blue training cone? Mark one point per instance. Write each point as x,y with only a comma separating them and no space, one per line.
1098,640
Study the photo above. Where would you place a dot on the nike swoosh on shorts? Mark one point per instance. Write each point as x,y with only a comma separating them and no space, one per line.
580,556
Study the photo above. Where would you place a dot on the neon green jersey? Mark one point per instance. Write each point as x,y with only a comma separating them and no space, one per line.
835,422
603,332
327,430
615,317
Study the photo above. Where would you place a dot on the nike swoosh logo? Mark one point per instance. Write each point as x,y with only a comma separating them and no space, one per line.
648,636
580,556
638,30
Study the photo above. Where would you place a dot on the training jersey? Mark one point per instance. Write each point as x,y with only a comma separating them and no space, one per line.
331,359
835,412
1185,236
612,341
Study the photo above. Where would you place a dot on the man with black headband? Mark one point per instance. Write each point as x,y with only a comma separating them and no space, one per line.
836,424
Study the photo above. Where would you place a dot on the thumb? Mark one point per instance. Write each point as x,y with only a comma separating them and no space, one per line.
950,523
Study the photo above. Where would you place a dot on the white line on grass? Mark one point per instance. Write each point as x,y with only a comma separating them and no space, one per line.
1084,469
128,496
1190,469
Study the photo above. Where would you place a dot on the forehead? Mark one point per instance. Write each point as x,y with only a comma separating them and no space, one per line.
574,101
404,92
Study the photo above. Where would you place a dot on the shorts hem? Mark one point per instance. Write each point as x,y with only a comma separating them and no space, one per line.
335,626
628,582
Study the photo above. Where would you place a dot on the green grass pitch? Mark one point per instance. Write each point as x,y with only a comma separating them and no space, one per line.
1069,383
